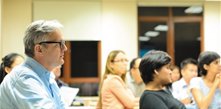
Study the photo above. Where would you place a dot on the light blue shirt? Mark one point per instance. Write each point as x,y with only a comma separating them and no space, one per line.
198,83
30,86
180,90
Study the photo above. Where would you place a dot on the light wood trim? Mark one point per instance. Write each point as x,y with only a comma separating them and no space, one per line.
84,80
187,19
170,36
99,60
67,63
201,35
152,18
67,67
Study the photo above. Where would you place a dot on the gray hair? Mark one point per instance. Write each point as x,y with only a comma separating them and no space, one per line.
38,31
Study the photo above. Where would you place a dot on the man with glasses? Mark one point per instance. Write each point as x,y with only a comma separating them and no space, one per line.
134,80
31,85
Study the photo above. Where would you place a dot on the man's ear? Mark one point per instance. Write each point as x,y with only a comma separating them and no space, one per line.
38,49
7,69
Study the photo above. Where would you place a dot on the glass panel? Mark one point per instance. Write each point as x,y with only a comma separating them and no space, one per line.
190,11
152,37
153,11
84,59
187,41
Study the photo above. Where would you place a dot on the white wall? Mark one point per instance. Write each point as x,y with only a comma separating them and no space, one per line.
0,30
113,22
212,26
119,27
81,18
16,15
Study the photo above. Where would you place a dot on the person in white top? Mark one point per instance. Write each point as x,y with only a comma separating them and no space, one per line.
180,88
206,89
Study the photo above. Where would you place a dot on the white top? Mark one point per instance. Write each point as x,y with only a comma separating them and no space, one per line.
199,84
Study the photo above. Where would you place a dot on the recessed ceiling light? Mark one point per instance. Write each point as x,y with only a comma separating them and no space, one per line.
161,28
144,38
152,33
194,10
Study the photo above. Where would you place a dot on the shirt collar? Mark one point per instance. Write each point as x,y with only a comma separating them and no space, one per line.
41,71
183,83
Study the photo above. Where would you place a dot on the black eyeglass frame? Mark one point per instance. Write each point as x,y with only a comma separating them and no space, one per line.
61,43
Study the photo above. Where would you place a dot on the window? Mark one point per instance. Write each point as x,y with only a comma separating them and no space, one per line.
171,29
82,62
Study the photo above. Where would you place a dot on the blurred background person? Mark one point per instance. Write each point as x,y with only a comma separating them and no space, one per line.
156,74
134,80
175,75
206,89
180,88
57,73
8,63
114,94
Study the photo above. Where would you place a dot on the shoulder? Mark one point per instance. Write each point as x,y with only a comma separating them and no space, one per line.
114,79
151,99
195,79
196,82
179,83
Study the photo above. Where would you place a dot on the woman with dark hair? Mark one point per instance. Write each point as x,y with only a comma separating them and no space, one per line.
156,74
206,89
8,62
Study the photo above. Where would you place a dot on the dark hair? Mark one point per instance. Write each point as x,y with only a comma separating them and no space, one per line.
152,60
206,58
188,61
7,61
132,63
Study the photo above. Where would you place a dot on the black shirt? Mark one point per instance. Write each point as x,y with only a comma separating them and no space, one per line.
159,100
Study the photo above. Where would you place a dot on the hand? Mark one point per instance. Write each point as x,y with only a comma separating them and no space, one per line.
218,80
219,76
187,101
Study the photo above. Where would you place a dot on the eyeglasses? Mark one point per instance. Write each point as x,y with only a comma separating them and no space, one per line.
120,60
61,43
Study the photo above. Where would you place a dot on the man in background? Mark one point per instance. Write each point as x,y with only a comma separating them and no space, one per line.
134,80
180,88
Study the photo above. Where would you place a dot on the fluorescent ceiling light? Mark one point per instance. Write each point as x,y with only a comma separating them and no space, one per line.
161,28
144,38
152,33
194,10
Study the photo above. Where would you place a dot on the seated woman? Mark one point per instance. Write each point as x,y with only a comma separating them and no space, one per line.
113,91
206,89
9,62
156,74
